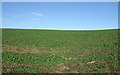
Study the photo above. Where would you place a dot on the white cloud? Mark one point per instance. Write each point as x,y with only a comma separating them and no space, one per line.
37,14
35,21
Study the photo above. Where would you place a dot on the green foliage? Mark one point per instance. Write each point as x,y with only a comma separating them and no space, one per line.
29,58
60,51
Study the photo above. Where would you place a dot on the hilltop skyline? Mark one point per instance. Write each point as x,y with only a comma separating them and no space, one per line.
60,15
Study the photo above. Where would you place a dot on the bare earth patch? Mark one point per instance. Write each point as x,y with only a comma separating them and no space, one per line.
23,49
17,65
62,67
69,58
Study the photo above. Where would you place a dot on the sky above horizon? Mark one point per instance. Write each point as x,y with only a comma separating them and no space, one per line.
60,15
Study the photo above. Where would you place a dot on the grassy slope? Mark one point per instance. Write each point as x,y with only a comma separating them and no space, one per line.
59,51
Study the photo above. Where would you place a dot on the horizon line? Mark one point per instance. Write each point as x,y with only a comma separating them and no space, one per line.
62,29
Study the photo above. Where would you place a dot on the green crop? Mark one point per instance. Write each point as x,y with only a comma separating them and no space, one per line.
54,51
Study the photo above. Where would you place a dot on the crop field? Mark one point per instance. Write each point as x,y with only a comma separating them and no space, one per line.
59,51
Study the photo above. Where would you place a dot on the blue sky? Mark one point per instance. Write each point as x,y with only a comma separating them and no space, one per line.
60,15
